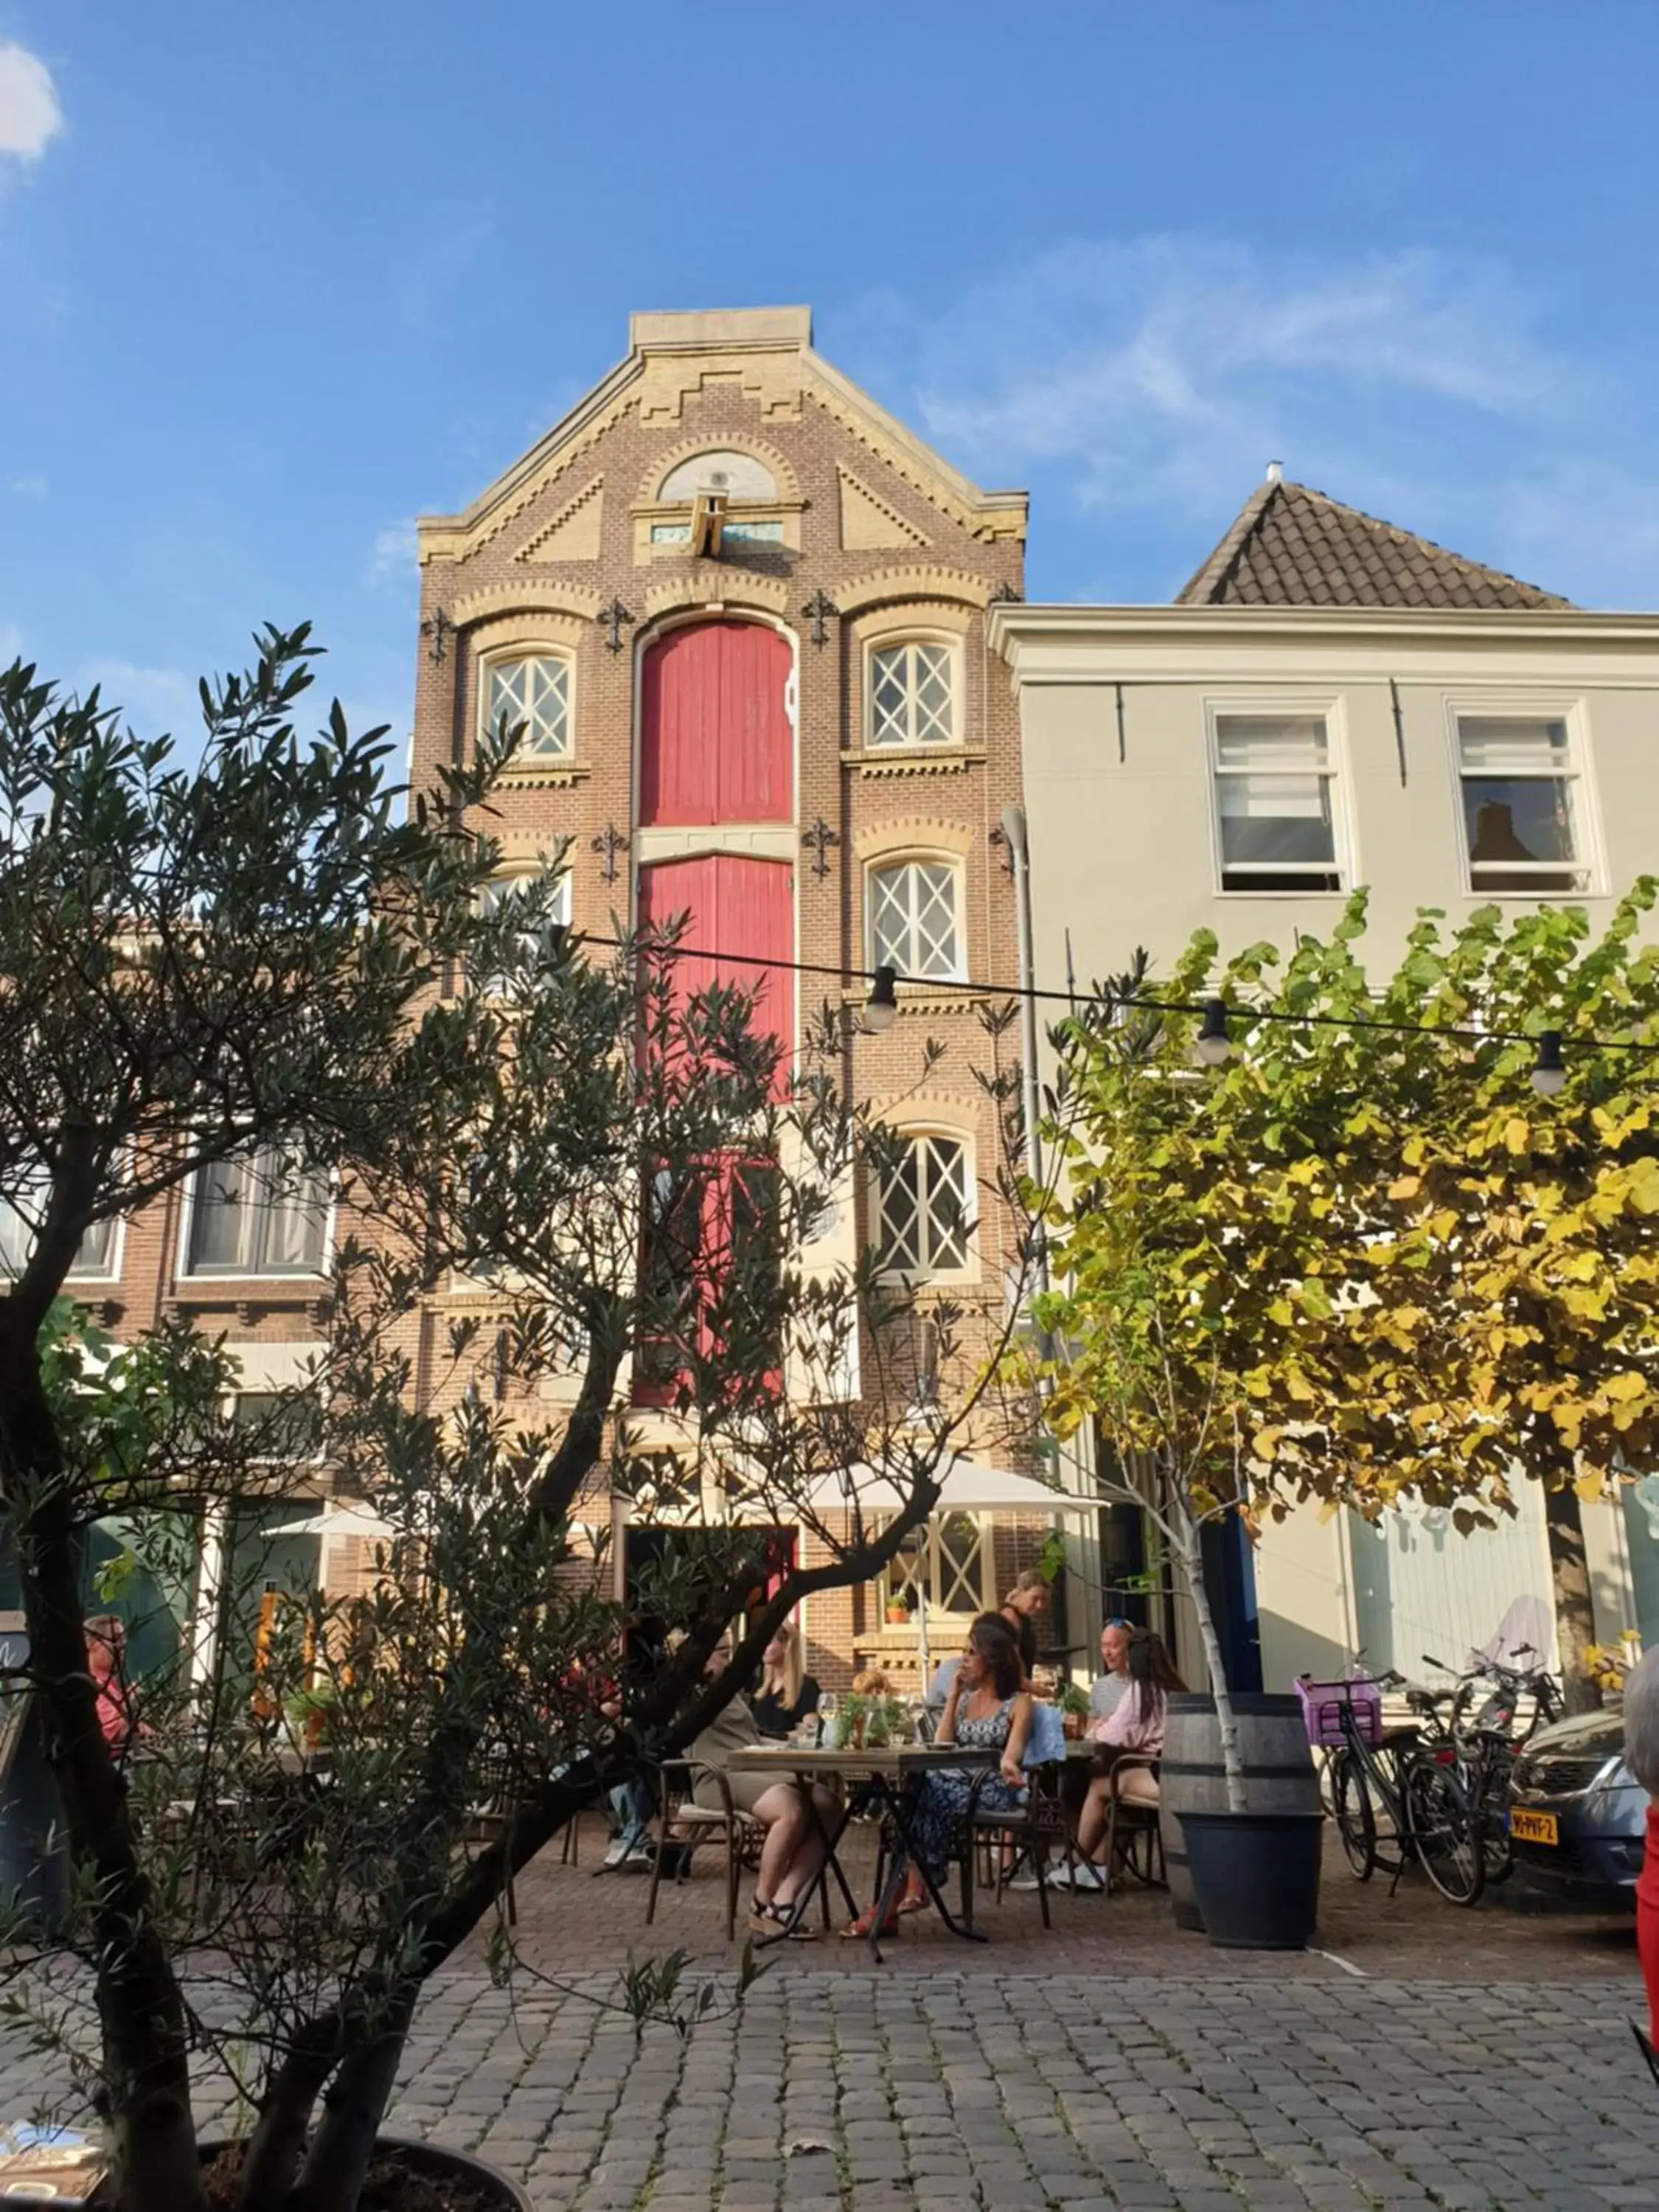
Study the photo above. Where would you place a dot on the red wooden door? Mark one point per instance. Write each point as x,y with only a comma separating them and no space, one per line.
735,905
715,743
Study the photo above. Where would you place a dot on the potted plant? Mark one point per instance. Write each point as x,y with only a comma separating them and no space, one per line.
898,1614
852,1720
1074,1709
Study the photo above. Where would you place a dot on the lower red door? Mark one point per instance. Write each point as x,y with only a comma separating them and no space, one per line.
739,908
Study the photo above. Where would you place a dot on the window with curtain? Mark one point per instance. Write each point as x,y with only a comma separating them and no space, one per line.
535,942
914,918
946,1560
912,694
1520,789
536,691
1274,784
20,1217
265,1214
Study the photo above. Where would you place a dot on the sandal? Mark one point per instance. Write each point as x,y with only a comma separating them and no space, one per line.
914,1900
861,1930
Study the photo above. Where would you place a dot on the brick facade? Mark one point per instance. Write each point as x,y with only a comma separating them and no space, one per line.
858,515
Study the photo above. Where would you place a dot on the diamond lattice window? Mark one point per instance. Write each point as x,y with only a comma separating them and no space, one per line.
912,695
923,1207
945,1560
536,692
913,919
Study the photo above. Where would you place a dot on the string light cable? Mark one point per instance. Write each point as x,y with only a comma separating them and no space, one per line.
1214,1044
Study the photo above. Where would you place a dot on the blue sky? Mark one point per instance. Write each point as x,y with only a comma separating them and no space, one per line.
274,278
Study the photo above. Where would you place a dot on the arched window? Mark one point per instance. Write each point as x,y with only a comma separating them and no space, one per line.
913,693
915,921
534,689
924,1189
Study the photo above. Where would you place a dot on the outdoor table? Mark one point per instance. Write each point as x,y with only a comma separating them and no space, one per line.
878,1777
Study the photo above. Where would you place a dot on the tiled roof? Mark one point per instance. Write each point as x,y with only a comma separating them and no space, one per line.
1292,547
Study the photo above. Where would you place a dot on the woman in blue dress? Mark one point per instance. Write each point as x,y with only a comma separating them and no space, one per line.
989,1711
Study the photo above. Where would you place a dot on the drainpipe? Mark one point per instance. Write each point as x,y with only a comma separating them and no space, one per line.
1013,830
1078,1452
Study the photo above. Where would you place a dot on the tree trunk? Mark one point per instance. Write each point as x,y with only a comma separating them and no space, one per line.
1190,1549
146,2069
270,2164
1575,1609
337,2163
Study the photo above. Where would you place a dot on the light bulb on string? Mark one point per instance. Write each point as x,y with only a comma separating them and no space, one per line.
881,1007
1212,1045
1549,1074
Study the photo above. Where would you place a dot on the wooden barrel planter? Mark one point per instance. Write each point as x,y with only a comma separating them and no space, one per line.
1278,1773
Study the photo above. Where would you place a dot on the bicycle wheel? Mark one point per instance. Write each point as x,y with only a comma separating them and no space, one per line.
1445,1831
1353,1812
1496,1844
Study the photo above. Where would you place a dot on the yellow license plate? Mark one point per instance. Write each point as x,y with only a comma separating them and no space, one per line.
1533,1827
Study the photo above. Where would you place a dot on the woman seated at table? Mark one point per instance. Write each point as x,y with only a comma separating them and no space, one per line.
988,1712
793,1849
1134,1726
787,1694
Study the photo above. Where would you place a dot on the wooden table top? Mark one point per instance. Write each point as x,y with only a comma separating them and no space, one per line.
873,1759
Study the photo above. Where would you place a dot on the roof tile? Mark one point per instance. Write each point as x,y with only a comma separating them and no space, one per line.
1289,546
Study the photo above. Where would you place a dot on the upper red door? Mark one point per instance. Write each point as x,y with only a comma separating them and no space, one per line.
734,905
714,738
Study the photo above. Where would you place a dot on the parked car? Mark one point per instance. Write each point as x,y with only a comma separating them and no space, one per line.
1577,1815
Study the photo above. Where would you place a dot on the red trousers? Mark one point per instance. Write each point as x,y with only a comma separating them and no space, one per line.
1647,1918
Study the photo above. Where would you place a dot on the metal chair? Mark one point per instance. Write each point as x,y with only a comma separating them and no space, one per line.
684,1823
1130,1826
1007,1838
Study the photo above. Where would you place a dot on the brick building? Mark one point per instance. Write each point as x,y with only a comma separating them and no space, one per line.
742,613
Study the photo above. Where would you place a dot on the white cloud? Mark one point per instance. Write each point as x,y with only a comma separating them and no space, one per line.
151,699
393,558
1148,372
30,117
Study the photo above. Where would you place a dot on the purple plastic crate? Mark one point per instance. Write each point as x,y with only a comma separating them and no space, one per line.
1322,1705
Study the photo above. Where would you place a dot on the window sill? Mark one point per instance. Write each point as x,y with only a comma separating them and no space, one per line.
914,760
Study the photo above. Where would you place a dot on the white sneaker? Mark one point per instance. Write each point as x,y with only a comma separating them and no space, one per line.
639,1858
1086,1878
618,1852
1029,1881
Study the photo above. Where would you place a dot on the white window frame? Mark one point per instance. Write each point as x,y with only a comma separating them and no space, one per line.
1568,709
882,864
109,1273
929,1271
1322,707
499,884
894,1582
489,665
187,1273
908,641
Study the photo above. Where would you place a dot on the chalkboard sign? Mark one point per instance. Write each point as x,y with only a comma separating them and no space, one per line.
34,1855
15,1695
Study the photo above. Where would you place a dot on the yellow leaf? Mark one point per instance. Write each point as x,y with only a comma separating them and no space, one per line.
1588,1487
1627,1386
1516,1135
1406,1187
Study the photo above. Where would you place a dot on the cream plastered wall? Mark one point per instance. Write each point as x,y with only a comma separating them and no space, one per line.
1120,826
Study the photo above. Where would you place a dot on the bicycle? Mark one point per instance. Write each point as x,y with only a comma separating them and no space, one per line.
1485,1737
1389,1789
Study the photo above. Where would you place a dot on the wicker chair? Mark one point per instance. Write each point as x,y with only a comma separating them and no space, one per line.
684,1823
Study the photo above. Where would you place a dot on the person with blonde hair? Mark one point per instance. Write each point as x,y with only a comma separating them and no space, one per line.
1642,1757
787,1694
1022,1608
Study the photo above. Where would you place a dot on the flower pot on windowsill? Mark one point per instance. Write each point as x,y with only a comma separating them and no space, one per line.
1256,1877
897,1617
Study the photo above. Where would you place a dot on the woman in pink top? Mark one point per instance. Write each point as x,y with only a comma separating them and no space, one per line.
1134,1725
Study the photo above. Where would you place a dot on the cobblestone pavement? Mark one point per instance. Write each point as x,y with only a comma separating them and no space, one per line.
837,2092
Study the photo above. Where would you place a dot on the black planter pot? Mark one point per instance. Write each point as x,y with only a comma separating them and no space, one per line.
1256,1877
438,2162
